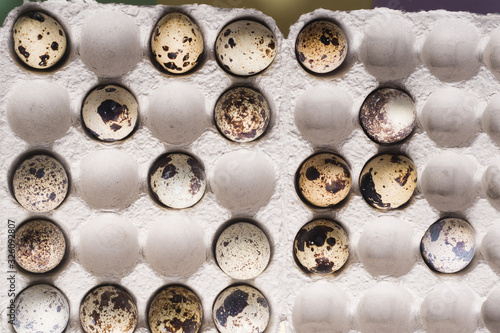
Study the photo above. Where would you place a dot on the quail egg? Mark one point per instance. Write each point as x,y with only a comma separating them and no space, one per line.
324,180
177,43
321,46
242,251
321,246
388,181
448,245
40,183
108,309
40,246
175,309
39,40
110,113
242,114
388,115
241,309
41,308
245,47
177,180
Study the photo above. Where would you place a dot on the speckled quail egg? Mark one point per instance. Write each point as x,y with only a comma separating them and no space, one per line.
110,113
324,180
242,251
242,114
41,308
245,47
40,183
177,180
175,309
177,43
388,115
321,46
321,246
108,309
448,245
241,309
388,181
40,246
39,40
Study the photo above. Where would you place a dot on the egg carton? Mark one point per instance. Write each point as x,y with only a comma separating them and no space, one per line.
385,284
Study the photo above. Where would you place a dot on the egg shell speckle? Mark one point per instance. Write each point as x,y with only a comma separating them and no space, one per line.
40,246
241,309
242,251
324,180
177,43
245,47
39,40
41,308
175,309
321,46
177,180
40,183
388,181
110,112
108,309
448,245
242,114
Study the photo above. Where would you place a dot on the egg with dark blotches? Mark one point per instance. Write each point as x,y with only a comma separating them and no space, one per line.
39,40
321,46
241,309
175,309
41,308
448,245
177,180
321,247
388,115
242,114
324,180
388,181
245,47
40,246
40,183
108,309
177,43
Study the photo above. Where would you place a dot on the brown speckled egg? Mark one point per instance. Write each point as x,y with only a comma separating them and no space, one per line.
324,180
321,47
241,309
175,309
177,43
388,181
177,180
39,40
321,246
40,246
245,47
40,183
242,114
110,113
107,309
388,115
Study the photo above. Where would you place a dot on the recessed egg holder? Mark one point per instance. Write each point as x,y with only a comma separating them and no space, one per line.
283,282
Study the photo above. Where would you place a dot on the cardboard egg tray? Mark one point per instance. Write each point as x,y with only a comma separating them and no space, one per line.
285,213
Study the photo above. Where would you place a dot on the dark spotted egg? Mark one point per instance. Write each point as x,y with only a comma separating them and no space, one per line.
110,112
321,247
39,40
324,180
177,43
241,309
177,180
175,309
388,181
